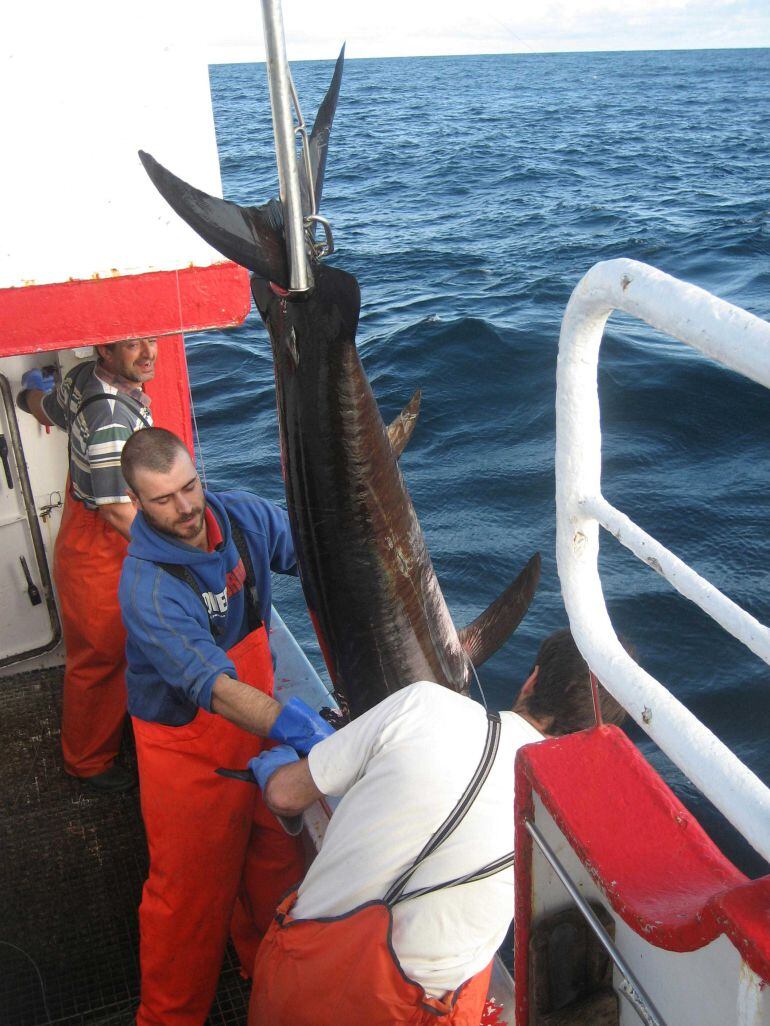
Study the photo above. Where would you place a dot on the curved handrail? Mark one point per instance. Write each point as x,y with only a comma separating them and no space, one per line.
741,342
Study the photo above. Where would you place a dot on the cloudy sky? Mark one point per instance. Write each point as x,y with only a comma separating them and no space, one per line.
314,29
231,29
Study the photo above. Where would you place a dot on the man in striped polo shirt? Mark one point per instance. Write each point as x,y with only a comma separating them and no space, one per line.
99,404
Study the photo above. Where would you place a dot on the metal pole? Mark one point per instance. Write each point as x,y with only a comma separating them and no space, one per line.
279,81
630,987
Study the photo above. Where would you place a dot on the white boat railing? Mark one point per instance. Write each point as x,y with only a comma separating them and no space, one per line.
741,342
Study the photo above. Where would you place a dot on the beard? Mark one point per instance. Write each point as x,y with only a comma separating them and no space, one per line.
183,529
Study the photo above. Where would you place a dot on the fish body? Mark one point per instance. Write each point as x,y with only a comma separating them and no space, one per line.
371,590
364,563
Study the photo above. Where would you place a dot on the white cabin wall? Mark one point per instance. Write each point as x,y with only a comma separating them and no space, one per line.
45,454
76,202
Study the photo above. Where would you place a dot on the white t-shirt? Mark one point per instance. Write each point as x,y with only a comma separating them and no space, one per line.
402,767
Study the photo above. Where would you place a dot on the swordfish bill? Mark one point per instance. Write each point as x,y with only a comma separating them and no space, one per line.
376,603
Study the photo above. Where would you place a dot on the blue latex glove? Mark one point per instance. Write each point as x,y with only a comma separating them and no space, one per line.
37,378
263,766
300,726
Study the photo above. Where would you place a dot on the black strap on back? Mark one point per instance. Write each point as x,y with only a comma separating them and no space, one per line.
251,594
184,573
125,400
396,892
77,378
254,620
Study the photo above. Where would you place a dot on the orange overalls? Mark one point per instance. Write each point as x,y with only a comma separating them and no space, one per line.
343,971
219,861
88,558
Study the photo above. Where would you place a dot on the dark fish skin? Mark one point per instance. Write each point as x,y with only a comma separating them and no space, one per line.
381,618
364,564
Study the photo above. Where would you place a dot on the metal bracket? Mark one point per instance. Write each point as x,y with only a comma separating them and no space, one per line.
325,248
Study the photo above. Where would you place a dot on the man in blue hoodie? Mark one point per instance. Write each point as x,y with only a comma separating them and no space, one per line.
195,598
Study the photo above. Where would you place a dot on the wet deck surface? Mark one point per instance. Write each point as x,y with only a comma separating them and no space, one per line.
72,869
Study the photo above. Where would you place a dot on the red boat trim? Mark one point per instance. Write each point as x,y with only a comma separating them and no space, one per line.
657,867
81,313
170,390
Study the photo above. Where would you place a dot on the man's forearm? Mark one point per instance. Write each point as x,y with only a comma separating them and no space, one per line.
243,705
119,515
31,401
290,790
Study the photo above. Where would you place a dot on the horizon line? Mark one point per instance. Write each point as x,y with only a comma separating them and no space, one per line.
496,53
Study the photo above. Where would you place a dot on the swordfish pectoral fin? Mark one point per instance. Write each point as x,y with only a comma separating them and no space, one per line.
250,236
400,429
486,634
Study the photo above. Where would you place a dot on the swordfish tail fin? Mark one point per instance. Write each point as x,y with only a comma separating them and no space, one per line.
250,236
486,634
319,137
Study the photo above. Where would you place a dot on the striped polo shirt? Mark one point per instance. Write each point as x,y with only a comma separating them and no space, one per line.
97,430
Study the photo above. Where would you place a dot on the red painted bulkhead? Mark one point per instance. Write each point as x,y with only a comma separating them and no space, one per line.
163,304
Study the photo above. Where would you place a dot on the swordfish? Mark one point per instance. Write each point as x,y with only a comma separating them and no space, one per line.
370,587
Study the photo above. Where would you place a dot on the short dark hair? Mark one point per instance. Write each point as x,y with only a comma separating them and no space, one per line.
150,449
562,691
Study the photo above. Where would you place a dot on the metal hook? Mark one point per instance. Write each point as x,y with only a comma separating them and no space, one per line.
321,249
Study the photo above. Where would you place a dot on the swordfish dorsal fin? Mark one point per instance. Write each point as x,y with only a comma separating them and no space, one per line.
486,634
251,236
400,428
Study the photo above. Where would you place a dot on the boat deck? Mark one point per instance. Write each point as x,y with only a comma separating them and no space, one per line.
72,871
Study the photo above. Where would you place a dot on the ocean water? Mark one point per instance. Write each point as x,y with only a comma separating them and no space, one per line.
469,195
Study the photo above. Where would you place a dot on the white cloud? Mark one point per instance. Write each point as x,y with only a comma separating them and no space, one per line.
314,29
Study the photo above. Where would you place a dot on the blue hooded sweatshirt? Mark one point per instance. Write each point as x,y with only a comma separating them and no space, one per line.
173,658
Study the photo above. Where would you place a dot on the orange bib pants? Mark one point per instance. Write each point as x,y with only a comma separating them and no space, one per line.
219,861
88,558
344,972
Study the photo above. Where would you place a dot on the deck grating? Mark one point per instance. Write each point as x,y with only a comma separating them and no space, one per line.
72,868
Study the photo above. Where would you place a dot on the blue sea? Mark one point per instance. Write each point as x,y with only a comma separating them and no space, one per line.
469,195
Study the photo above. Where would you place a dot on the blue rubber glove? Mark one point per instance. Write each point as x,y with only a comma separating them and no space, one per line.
263,766
38,379
299,726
